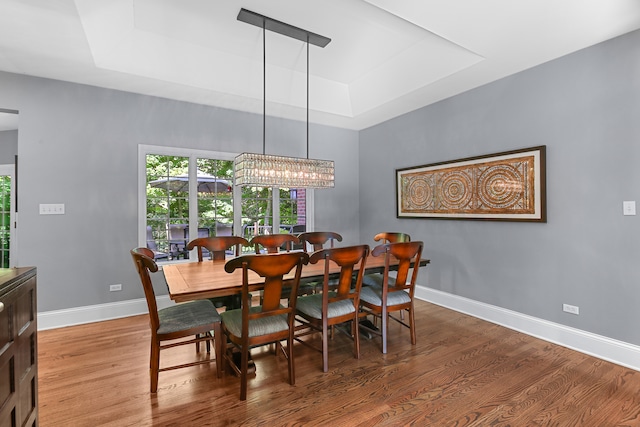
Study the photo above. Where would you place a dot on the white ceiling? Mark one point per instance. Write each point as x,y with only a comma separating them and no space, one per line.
386,57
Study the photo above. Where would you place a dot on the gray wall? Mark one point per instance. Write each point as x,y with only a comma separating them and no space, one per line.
8,147
585,108
78,145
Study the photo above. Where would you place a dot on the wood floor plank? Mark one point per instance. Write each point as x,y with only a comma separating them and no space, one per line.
462,372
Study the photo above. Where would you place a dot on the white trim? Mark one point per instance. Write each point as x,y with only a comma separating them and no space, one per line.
599,346
310,210
275,213
97,313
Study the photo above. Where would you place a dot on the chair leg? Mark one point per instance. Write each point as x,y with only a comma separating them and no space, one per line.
218,339
355,324
292,370
244,362
325,347
207,343
412,325
384,328
154,365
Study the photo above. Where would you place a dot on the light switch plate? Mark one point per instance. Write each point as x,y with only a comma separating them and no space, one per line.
51,209
629,207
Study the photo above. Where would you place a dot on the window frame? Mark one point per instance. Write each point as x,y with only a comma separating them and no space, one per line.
193,155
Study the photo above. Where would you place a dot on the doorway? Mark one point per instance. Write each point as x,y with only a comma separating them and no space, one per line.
8,160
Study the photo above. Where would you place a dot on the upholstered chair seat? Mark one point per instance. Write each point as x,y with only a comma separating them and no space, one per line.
373,295
257,327
311,306
186,316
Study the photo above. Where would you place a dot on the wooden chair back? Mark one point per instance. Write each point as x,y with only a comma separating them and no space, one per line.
273,242
317,239
217,246
143,259
392,237
273,268
346,258
405,252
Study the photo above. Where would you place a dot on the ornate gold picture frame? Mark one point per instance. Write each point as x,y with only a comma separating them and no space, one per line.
507,186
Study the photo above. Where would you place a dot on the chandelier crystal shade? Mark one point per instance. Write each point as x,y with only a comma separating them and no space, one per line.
264,170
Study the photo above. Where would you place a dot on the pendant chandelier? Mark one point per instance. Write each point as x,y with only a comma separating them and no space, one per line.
263,170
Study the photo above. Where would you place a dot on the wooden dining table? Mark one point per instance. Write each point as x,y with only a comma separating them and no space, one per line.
199,280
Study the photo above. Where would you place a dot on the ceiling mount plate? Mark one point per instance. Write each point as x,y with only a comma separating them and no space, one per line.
279,27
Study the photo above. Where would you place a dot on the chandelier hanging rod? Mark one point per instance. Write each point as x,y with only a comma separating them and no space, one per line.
283,28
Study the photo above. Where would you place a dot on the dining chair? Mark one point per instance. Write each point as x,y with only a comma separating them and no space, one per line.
270,322
394,294
224,229
272,243
375,279
217,248
178,235
177,322
317,240
392,237
334,306
153,245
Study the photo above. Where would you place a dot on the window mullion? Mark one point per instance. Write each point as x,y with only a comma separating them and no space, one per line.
193,197
237,210
275,210
310,209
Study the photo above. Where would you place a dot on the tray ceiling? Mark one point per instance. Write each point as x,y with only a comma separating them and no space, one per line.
385,57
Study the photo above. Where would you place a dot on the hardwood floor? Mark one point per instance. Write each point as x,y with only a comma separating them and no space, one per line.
462,372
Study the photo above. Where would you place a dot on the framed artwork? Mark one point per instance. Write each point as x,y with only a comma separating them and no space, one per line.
507,186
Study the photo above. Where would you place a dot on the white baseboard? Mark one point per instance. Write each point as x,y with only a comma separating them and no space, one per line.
96,313
599,346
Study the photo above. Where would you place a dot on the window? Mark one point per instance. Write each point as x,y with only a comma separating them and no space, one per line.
293,209
179,188
257,211
258,215
6,214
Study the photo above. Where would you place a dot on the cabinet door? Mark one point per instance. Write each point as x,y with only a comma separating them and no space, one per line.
8,385
18,356
27,352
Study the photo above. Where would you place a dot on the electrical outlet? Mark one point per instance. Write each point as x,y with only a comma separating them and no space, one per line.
629,207
117,287
573,309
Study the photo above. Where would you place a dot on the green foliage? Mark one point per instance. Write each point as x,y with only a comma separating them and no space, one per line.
173,206
170,206
5,220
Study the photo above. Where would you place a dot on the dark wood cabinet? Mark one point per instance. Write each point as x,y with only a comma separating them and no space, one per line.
18,347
